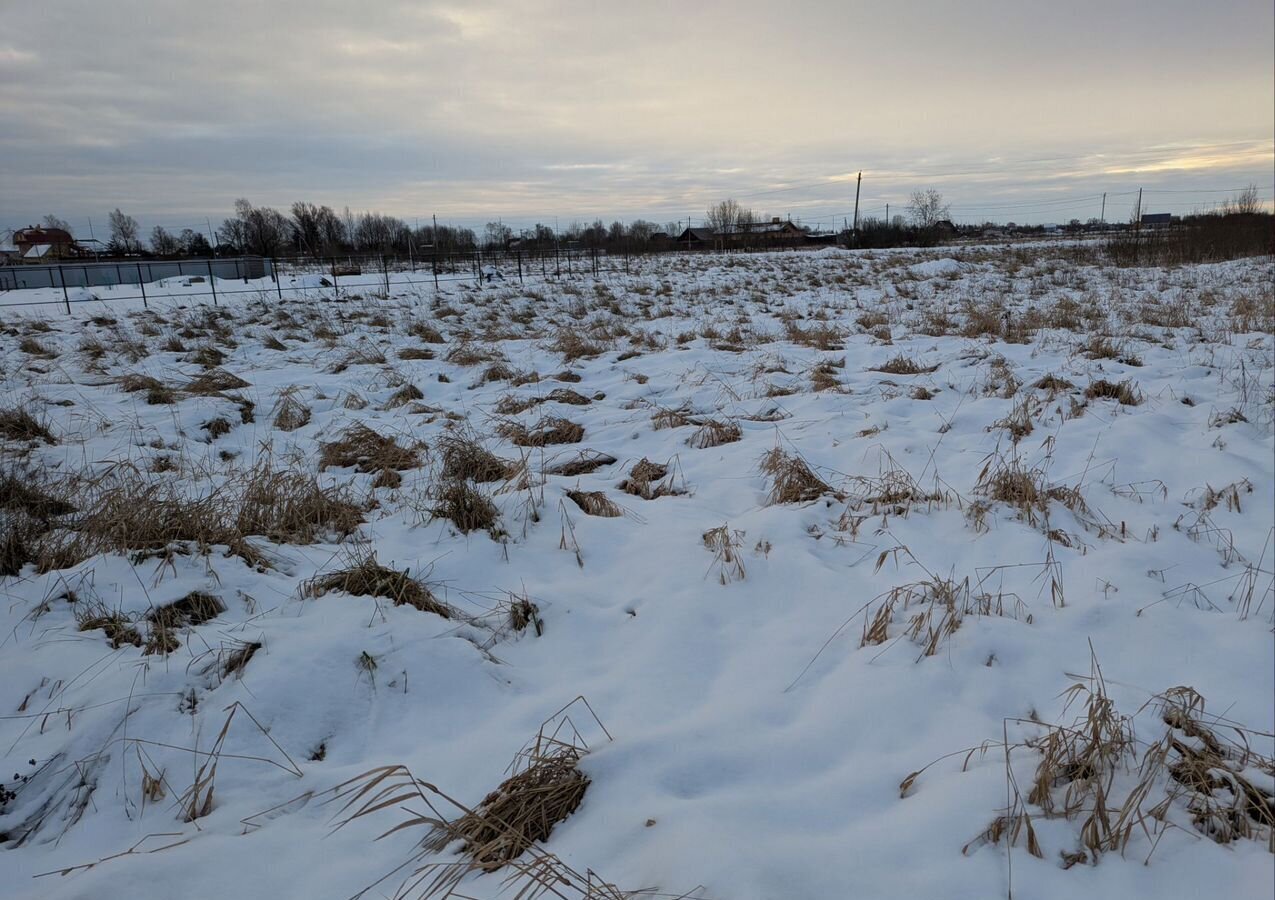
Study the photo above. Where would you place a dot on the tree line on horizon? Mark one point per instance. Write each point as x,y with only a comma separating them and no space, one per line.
317,230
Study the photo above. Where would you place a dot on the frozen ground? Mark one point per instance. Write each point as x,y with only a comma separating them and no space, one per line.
982,512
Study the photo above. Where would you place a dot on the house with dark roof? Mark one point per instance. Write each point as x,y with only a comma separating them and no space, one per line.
776,232
1156,220
697,239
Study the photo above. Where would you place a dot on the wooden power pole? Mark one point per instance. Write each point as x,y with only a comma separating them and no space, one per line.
857,184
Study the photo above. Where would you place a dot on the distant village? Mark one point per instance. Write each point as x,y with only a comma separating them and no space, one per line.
46,244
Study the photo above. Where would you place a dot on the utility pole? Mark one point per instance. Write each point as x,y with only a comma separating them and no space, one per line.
858,183
1102,219
887,215
211,240
1138,215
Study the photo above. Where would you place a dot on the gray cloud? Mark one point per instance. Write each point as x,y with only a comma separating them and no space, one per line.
482,109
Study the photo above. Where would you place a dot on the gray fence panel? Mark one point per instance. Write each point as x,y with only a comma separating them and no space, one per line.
108,274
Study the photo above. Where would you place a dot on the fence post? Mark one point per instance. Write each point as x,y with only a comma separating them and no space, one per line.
520,267
66,298
141,283
434,266
385,273
212,281
478,267
274,270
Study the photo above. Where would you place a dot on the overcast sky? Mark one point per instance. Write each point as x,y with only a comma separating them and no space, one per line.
527,111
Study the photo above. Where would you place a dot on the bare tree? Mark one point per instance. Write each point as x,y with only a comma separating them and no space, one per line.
262,231
193,243
163,242
124,231
52,221
316,229
723,216
640,230
1246,202
927,208
496,235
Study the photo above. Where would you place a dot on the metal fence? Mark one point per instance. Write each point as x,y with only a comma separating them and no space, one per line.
110,274
342,275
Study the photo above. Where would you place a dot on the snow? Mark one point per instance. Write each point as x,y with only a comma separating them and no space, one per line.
756,747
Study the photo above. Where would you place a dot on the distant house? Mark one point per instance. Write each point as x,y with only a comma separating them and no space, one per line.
697,239
746,234
1156,220
44,244
776,230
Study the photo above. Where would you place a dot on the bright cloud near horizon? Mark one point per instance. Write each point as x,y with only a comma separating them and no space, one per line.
528,112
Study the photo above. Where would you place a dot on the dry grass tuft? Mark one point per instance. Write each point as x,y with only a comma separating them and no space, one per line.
123,512
1094,772
568,396
217,427
214,381
714,433
573,345
365,577
648,480
497,371
1027,490
595,503
823,377
290,506
465,458
522,811
467,354
426,332
670,418
416,353
727,546
367,451
1125,392
792,480
19,424
29,509
465,506
1053,384
195,608
207,356
408,393
820,336
549,430
289,412
581,463
157,392
117,627
904,365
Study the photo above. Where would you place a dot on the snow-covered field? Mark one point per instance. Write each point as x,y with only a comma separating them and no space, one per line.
796,527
